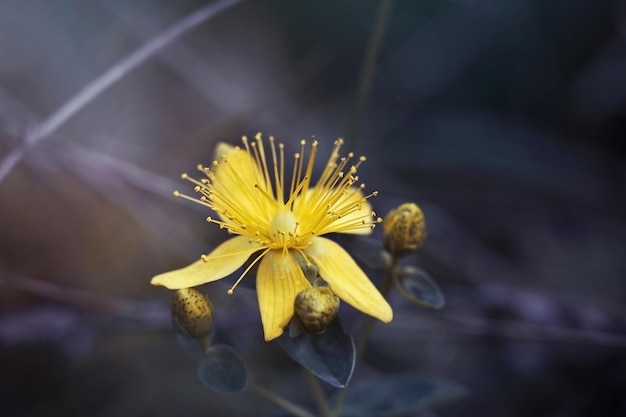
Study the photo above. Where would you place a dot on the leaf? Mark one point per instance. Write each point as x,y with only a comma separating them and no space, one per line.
399,395
369,251
329,355
223,370
417,286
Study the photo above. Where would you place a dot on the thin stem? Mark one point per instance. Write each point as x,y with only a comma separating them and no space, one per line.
280,402
367,73
369,324
88,93
318,394
367,329
205,343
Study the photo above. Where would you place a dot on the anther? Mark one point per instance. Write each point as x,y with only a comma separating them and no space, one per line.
176,194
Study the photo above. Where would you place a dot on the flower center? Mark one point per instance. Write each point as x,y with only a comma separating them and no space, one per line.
283,230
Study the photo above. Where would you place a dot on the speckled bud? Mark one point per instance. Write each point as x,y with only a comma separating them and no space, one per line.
316,307
404,229
193,312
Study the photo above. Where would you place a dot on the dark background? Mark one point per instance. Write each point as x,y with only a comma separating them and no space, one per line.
505,120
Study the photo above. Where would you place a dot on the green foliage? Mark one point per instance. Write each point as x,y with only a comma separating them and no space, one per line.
417,286
223,370
369,251
329,355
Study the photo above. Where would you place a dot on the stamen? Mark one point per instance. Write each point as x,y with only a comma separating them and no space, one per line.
244,139
309,171
265,194
296,192
230,228
195,200
193,180
263,163
281,149
231,290
277,176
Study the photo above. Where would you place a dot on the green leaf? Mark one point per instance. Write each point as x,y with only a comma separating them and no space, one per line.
417,286
399,395
223,370
329,355
369,251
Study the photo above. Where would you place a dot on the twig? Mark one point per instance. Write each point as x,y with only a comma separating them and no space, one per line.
367,73
281,402
318,394
367,330
369,324
104,81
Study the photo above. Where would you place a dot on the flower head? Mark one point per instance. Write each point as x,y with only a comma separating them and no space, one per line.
278,222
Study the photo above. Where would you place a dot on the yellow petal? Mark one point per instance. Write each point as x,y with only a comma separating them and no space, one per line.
242,190
223,261
279,280
346,279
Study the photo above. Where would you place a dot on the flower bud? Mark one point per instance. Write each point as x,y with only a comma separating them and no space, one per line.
192,312
316,307
404,229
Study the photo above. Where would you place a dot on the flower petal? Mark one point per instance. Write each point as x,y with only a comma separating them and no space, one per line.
346,279
240,188
279,280
223,261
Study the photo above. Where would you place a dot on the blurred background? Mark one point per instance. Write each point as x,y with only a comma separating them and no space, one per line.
504,120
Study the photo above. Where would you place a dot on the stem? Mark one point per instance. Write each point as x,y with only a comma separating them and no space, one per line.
280,402
367,73
371,321
205,343
318,394
367,329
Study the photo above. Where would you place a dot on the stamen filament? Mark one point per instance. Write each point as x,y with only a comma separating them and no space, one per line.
231,290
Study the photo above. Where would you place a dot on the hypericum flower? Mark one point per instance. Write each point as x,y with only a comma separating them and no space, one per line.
280,228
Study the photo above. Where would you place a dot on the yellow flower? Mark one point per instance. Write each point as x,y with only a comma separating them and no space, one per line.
247,188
